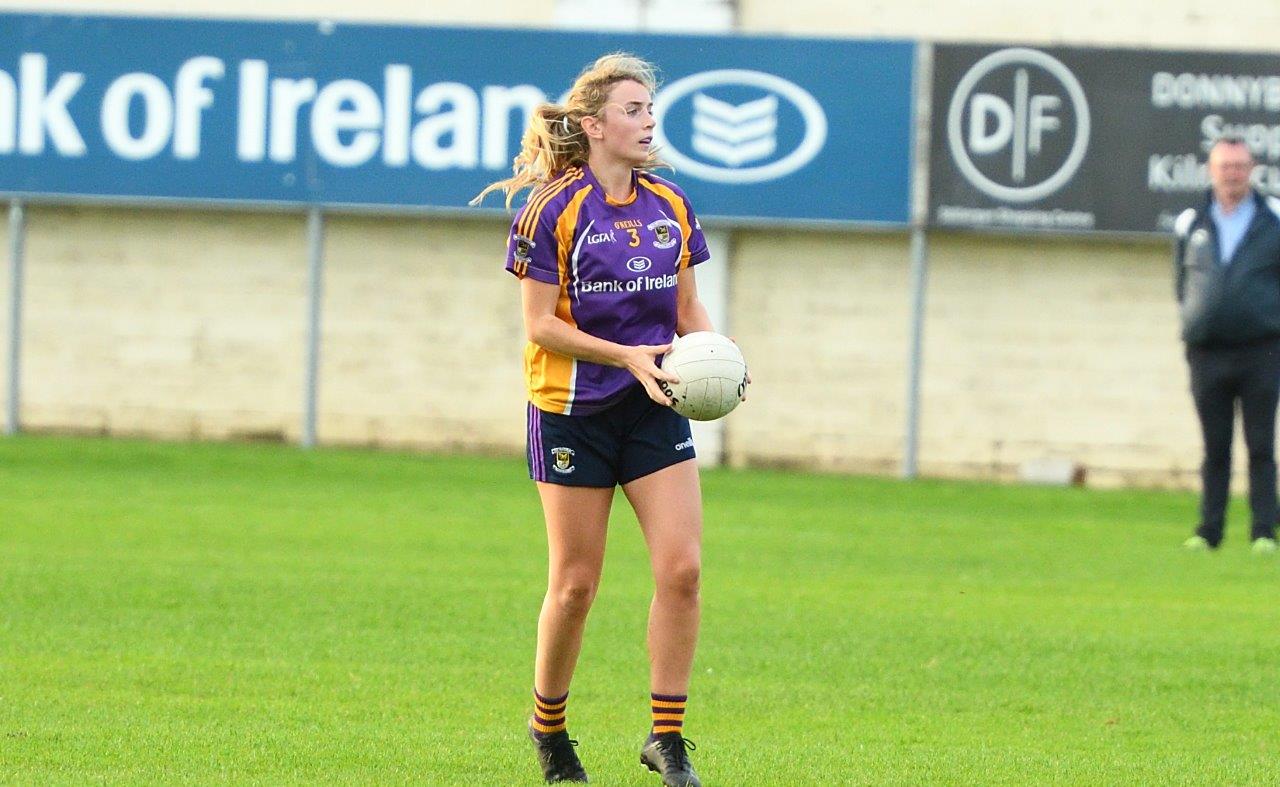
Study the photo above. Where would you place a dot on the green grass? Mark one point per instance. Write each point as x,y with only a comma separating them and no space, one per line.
260,614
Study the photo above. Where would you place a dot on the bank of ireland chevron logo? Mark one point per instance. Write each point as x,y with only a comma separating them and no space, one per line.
738,126
735,134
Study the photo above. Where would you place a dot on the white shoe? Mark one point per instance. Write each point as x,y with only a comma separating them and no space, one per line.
1264,546
1197,544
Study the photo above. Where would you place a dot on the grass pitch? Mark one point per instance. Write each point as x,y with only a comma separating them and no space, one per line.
260,614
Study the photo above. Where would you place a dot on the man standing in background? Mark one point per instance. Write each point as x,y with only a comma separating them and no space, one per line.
1227,273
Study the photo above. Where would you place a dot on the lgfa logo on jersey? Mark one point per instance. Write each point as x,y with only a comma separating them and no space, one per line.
1018,125
738,126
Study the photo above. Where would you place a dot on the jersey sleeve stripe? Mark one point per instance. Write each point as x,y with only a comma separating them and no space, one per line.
566,224
551,375
529,222
536,199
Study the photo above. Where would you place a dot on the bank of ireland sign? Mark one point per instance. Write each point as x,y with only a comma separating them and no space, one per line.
792,128
771,129
340,114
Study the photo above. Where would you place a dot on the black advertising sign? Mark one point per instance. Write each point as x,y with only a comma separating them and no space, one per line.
1090,140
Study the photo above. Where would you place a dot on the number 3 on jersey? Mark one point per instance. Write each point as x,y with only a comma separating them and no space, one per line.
635,238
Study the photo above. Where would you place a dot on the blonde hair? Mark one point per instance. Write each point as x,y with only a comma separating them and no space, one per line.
554,139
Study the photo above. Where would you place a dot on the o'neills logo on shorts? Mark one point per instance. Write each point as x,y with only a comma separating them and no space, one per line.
686,444
564,460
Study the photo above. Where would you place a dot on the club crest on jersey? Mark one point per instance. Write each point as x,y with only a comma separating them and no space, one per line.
564,460
523,247
663,238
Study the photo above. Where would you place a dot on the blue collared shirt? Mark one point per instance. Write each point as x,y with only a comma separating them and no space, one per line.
1231,227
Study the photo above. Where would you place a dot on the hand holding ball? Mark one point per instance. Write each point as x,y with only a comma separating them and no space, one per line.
712,372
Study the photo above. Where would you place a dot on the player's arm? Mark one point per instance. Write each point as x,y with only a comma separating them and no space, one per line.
691,315
548,331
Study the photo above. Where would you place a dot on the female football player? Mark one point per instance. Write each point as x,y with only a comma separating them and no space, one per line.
604,251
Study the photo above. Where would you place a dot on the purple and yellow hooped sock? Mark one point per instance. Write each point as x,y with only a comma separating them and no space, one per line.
548,713
668,713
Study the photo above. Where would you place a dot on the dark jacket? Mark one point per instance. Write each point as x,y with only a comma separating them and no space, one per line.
1233,304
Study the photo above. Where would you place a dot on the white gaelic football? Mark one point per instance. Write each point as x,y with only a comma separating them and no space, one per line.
712,372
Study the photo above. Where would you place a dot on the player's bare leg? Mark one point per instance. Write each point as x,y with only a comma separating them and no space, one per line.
577,522
668,504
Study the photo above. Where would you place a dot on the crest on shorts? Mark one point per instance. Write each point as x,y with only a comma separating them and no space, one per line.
523,247
564,460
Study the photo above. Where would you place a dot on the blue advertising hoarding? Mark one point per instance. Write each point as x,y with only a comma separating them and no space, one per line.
412,118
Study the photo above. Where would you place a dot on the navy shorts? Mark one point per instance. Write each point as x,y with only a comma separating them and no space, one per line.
629,440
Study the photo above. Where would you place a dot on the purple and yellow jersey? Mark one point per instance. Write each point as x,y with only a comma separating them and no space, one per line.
615,264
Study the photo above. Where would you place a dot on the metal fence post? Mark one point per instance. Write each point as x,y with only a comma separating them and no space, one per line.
17,247
315,298
915,359
919,255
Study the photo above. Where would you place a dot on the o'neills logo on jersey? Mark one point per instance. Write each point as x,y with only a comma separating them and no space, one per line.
738,126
